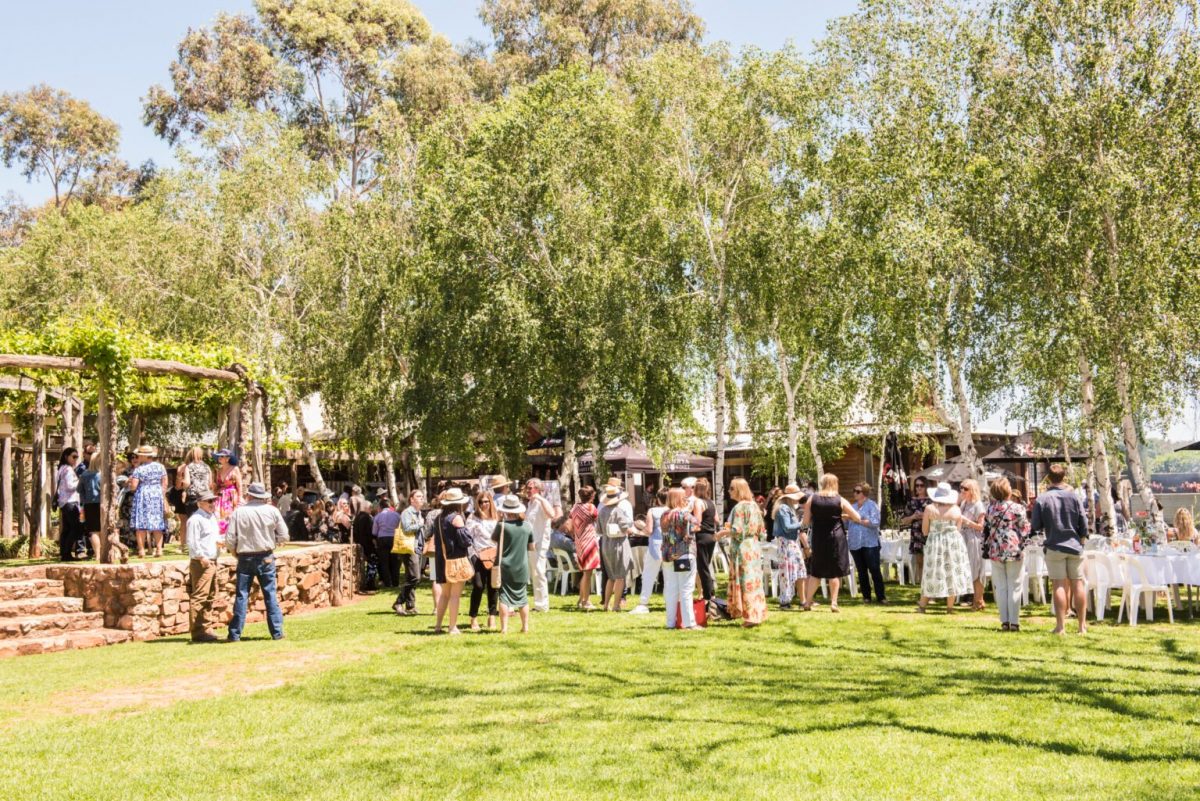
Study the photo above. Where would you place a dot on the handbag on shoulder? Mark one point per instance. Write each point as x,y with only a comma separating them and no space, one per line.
457,570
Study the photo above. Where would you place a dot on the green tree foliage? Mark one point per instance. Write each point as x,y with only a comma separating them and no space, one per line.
49,134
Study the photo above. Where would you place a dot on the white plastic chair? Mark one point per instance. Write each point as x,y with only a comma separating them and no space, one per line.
1033,568
564,567
1137,585
1099,578
720,560
771,568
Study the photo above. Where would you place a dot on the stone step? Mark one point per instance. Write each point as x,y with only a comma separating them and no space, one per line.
23,572
12,628
21,607
89,638
12,589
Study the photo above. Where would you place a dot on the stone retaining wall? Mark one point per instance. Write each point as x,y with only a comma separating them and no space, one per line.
151,599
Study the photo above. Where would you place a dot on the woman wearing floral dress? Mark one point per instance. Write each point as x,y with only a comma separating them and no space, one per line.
914,513
745,530
148,512
792,544
1005,532
947,571
229,488
582,527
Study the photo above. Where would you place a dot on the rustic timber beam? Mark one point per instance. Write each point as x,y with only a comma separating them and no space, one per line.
148,366
27,362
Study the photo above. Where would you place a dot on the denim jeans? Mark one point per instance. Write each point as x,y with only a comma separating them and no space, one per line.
262,568
866,560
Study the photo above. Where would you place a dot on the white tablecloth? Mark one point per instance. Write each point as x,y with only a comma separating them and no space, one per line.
1179,568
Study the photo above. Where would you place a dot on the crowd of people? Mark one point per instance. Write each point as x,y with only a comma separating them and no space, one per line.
501,543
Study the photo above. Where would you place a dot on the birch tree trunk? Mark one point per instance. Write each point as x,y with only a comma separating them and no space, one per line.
963,431
1133,444
310,455
813,440
568,475
1096,449
721,415
389,465
789,398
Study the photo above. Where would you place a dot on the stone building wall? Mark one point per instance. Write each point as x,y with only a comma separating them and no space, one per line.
151,599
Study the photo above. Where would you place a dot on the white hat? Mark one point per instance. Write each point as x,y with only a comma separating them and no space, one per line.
943,493
612,496
690,481
511,505
453,497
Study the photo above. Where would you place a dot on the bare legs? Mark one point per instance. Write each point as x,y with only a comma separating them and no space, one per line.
157,538
924,602
1061,601
979,604
506,613
448,601
585,589
613,589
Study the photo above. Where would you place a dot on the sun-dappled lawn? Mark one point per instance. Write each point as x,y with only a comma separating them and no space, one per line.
356,703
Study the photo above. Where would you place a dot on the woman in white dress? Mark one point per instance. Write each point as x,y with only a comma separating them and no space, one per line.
947,568
973,511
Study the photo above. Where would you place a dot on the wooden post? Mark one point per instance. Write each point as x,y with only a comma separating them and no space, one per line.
77,435
6,486
106,429
233,416
137,428
294,479
256,437
68,421
222,428
22,506
38,488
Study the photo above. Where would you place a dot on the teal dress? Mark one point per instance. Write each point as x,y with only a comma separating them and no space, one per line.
514,563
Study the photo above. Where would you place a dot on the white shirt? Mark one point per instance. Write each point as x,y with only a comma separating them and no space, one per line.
203,535
285,503
537,518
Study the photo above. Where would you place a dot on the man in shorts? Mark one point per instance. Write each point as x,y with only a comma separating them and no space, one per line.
1058,514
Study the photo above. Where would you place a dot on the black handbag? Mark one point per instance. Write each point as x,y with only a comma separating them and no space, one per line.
683,564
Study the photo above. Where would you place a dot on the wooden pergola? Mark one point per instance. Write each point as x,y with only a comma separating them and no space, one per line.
246,415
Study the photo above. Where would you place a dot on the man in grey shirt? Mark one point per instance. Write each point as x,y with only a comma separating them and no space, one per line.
255,528
1058,514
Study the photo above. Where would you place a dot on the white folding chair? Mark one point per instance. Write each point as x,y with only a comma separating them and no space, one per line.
771,568
1033,569
1137,585
1099,578
720,560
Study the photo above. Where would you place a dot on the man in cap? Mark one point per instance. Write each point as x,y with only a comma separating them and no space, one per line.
204,539
255,528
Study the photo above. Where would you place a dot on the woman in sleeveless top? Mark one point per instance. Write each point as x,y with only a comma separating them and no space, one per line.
947,566
830,560
582,527
706,541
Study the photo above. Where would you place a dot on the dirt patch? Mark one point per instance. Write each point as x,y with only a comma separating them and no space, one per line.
263,673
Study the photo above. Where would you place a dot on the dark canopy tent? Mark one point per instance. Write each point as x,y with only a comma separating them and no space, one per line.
1195,446
1025,450
634,459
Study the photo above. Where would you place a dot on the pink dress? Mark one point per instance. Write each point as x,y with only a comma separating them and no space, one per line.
228,499
587,546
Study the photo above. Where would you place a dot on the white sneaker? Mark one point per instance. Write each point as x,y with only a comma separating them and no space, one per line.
640,609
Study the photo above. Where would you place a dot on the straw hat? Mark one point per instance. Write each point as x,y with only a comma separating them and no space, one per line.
792,492
453,497
943,493
499,481
511,505
612,495
146,450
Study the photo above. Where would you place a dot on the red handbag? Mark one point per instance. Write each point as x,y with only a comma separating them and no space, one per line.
699,608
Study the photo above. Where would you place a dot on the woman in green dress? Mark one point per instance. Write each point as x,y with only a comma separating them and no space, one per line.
516,542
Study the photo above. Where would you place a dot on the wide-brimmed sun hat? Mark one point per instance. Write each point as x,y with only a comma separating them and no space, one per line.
453,497
499,481
146,450
511,505
943,493
612,496
257,490
206,495
792,492
224,453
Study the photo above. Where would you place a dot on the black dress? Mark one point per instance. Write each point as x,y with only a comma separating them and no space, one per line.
830,554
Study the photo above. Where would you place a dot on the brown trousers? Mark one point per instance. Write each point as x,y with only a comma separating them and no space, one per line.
202,593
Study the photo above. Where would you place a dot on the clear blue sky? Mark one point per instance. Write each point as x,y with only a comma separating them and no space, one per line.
109,53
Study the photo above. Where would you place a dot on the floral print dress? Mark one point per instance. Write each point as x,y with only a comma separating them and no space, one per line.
1005,531
916,506
148,510
747,600
229,497
947,568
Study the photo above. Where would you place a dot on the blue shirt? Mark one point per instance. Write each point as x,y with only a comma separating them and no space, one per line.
866,533
1059,514
386,523
787,525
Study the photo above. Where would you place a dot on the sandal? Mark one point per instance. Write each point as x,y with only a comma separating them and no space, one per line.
920,609
834,608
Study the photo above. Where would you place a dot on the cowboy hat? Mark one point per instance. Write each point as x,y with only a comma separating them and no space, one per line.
943,493
499,481
257,490
453,497
792,492
146,450
613,496
511,505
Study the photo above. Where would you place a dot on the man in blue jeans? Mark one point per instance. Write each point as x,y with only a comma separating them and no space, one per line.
255,528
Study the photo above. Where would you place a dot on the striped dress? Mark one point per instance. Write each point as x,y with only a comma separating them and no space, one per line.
587,546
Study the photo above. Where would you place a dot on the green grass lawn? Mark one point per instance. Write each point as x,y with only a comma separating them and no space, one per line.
875,703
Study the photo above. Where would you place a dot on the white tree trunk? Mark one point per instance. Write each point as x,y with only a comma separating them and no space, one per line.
813,440
1096,448
721,415
568,474
963,431
310,455
1133,444
389,465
